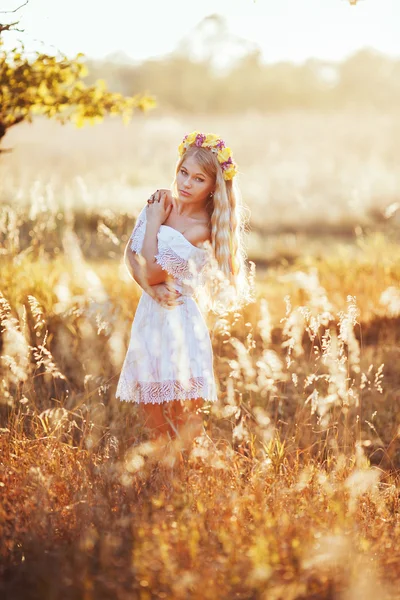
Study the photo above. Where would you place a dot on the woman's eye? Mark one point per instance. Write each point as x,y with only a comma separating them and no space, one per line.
198,178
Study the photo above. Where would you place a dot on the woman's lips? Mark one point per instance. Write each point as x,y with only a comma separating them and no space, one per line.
185,193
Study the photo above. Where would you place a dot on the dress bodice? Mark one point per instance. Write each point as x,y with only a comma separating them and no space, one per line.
180,258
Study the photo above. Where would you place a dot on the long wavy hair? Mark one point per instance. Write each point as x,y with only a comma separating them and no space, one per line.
230,285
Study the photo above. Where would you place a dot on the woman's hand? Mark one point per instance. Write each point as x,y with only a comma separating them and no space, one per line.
159,207
166,295
157,194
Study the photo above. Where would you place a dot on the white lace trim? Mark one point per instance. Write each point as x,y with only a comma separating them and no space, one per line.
179,267
165,391
170,261
137,237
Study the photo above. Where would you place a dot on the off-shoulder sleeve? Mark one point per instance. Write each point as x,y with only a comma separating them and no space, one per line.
137,235
181,259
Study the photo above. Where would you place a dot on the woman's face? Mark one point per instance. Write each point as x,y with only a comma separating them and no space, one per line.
192,179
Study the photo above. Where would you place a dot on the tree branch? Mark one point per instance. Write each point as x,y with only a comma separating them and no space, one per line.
10,25
7,27
15,10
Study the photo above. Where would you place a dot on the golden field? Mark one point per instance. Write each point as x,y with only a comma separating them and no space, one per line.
292,493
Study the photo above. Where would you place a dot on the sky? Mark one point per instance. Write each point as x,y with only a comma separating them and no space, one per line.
293,30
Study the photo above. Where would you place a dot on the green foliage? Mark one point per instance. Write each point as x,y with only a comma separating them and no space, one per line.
52,86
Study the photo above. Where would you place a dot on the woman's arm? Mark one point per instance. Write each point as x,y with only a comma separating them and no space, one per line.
146,272
155,273
165,295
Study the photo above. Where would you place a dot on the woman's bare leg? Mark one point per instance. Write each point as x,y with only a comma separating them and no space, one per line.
157,417
176,419
188,422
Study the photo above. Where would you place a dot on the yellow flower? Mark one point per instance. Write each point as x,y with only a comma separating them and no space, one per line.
230,172
224,154
191,137
211,139
181,148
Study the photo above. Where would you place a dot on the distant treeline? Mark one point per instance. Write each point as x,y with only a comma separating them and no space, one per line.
179,83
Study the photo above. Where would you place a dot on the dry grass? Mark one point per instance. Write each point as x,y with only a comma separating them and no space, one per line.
292,492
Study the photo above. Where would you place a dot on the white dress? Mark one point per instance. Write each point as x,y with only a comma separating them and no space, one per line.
170,355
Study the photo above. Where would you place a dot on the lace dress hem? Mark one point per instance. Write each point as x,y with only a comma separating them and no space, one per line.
164,391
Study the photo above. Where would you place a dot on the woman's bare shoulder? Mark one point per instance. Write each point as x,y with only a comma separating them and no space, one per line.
199,233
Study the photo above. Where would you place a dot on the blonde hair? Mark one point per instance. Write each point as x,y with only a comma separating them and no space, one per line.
229,287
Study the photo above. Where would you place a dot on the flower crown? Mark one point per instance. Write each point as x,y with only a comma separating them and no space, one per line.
215,144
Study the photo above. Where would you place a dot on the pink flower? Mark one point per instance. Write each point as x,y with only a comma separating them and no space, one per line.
199,139
226,164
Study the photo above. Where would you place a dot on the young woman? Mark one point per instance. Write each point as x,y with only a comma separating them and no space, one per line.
184,239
